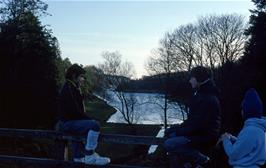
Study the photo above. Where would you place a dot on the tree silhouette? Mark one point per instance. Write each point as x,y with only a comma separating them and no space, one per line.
254,60
12,9
28,72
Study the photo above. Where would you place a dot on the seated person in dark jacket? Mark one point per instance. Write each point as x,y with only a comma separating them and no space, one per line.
73,119
202,127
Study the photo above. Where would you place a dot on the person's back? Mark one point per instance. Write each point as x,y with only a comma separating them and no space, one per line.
248,150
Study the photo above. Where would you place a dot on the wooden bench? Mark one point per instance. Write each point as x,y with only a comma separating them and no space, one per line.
62,140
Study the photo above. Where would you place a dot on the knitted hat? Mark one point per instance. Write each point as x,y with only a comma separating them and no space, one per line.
201,73
252,105
74,70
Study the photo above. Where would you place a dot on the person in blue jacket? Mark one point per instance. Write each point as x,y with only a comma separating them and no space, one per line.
73,118
248,149
201,130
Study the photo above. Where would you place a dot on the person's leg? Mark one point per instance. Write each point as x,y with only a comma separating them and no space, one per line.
92,157
92,129
174,144
171,145
82,127
180,146
92,140
175,161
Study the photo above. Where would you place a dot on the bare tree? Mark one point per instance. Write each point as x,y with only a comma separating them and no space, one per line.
117,76
223,37
163,64
205,38
185,49
212,41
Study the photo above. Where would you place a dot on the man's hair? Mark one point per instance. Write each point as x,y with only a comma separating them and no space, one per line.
74,71
201,73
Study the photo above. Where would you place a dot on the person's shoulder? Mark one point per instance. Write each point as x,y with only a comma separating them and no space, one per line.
65,88
250,132
209,97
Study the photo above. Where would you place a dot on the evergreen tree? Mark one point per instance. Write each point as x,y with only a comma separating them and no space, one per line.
28,71
254,60
62,65
11,9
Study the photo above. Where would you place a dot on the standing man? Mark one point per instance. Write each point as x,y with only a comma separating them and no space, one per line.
202,127
73,119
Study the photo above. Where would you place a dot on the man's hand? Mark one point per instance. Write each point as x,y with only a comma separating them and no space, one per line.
232,138
223,137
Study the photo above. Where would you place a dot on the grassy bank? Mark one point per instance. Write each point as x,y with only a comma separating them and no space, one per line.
99,110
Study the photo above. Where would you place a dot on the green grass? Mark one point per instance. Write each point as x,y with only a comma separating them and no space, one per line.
99,110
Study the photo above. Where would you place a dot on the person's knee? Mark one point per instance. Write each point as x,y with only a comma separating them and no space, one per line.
95,126
175,144
168,146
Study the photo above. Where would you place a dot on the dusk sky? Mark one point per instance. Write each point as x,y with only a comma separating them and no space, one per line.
87,28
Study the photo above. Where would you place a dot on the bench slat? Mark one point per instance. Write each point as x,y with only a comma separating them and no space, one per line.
61,138
25,133
130,139
107,138
28,161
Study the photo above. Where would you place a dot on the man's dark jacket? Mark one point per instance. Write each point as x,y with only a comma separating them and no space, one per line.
71,106
203,122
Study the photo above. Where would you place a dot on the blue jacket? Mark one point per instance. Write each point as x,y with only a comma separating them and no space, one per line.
249,148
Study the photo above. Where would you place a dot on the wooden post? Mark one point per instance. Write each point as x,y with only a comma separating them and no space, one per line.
68,154
60,149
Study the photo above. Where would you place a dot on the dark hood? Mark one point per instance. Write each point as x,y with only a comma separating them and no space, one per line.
252,105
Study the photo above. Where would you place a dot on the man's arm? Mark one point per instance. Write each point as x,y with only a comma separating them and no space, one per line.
241,147
201,117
